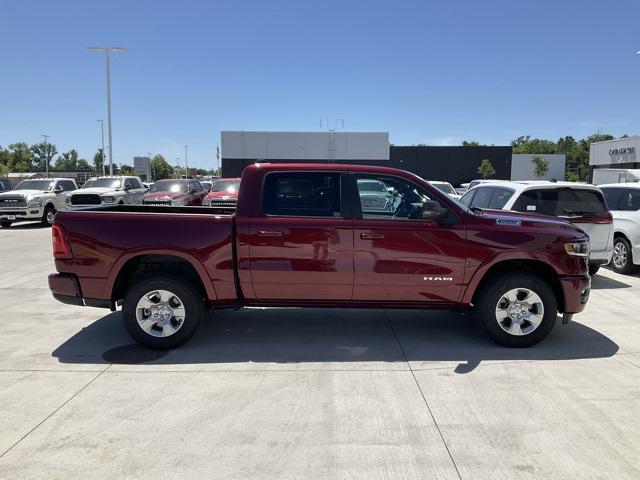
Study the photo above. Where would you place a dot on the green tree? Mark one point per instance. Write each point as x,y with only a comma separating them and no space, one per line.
160,168
470,143
485,169
540,166
19,158
98,161
42,153
126,170
67,161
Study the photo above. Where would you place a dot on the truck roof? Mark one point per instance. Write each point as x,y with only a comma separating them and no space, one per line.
339,167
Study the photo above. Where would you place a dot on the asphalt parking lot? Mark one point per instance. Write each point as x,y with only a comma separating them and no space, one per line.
277,394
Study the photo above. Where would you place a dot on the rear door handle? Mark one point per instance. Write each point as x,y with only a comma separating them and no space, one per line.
270,233
371,236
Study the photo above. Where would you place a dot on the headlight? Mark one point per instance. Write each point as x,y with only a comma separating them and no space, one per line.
35,202
108,199
177,203
577,249
207,202
67,199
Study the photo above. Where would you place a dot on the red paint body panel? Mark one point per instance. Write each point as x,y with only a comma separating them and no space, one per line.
318,261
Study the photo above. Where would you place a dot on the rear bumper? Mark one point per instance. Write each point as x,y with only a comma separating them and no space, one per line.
601,257
65,288
576,290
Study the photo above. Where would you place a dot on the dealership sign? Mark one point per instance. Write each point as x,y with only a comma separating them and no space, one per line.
621,151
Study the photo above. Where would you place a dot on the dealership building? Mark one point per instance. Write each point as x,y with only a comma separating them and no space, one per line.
453,164
619,153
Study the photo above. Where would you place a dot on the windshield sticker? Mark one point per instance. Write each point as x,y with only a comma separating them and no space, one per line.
531,208
508,221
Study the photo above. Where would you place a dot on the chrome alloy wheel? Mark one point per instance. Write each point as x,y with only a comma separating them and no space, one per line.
51,215
620,255
519,311
160,313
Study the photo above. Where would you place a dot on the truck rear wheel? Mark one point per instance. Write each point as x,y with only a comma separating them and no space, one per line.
162,312
517,309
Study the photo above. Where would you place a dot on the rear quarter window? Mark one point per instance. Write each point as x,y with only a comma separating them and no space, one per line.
302,194
612,196
483,197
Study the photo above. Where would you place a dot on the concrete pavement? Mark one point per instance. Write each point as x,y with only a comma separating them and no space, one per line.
277,393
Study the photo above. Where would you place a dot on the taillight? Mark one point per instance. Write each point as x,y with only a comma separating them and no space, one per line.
605,217
61,247
596,218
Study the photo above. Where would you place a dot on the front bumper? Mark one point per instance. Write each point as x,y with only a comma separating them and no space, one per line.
65,288
576,290
22,213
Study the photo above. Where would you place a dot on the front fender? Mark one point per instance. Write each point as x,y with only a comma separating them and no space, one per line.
481,271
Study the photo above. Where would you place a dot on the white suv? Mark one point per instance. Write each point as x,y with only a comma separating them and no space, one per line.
624,201
108,190
34,199
581,204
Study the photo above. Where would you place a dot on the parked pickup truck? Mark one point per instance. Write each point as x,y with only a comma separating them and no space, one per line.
318,247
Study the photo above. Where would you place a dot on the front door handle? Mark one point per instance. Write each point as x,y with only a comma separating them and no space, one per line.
270,233
371,236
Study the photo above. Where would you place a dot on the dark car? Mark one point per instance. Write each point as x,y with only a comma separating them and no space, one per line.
176,192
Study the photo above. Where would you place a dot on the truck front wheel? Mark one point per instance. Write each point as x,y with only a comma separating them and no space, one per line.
517,309
162,312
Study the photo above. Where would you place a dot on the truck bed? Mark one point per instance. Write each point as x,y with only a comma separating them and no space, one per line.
104,239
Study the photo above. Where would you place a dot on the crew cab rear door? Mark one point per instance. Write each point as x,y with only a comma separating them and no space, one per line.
301,245
398,257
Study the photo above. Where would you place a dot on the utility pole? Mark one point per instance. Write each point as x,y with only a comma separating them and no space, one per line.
186,165
106,51
46,153
104,172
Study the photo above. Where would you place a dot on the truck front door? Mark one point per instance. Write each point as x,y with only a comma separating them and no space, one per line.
398,257
301,246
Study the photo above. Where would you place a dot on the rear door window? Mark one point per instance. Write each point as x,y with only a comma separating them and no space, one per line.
630,200
302,194
612,196
467,198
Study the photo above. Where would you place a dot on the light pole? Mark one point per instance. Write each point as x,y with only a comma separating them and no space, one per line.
106,51
104,173
186,165
46,154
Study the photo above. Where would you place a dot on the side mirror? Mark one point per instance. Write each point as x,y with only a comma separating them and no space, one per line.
193,190
58,189
127,187
432,211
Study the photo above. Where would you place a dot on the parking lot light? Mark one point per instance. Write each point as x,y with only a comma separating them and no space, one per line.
106,51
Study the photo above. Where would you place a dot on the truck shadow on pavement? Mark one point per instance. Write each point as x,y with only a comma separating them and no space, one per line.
600,282
236,339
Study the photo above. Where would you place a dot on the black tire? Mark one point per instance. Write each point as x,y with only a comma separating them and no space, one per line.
493,291
5,224
47,216
619,263
593,268
185,292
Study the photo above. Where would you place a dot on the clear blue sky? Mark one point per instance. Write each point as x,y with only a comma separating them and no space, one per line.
427,72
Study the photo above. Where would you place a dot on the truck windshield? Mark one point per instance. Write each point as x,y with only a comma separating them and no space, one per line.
35,185
230,186
172,186
113,183
445,187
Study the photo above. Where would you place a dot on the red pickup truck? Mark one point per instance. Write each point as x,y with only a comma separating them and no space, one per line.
301,237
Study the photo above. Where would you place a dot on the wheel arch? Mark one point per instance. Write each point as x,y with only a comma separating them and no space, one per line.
131,266
535,267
